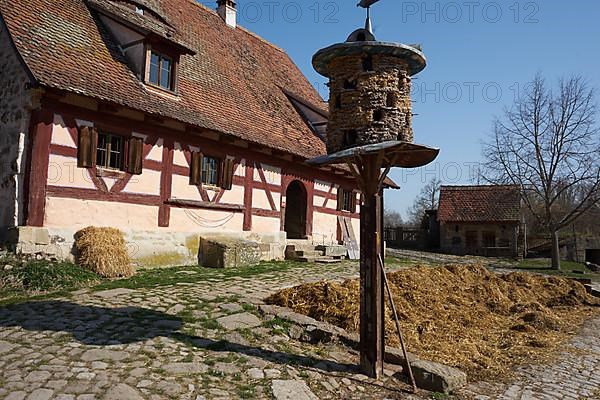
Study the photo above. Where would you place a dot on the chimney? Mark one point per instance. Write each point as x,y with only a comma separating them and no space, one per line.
226,9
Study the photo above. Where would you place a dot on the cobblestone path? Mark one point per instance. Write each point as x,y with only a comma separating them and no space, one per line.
207,341
575,376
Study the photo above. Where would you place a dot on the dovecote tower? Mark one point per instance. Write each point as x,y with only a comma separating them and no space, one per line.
370,85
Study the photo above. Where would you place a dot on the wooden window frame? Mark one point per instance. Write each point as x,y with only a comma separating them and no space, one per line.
346,200
163,53
108,150
205,173
132,151
224,173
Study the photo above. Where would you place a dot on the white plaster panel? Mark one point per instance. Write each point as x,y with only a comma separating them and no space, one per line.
76,213
265,224
324,228
60,133
195,220
109,182
318,201
157,151
63,171
146,183
322,185
260,199
272,174
182,189
234,196
241,169
179,156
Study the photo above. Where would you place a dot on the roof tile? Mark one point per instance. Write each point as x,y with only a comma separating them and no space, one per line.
233,84
479,204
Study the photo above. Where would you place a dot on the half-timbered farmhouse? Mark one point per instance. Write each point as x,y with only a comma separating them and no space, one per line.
163,119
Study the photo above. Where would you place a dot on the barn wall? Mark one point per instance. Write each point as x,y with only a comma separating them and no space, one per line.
453,238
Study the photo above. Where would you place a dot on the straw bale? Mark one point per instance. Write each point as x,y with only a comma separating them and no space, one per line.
104,251
463,316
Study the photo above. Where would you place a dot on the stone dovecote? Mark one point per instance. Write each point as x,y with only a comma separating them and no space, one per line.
370,84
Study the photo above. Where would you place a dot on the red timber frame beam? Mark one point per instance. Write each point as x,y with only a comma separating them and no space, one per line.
248,189
39,152
166,184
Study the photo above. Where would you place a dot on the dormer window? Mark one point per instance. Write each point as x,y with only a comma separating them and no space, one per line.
161,71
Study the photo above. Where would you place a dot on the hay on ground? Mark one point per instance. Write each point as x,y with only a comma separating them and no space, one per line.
463,316
104,251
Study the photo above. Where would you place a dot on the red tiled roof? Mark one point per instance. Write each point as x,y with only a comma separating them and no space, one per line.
479,204
233,84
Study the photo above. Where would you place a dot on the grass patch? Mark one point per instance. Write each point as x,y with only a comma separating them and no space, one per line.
34,278
568,269
246,391
278,325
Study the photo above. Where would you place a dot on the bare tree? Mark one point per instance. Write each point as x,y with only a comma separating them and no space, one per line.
427,199
392,219
548,143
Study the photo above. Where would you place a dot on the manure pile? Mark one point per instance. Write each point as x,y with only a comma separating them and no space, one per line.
464,316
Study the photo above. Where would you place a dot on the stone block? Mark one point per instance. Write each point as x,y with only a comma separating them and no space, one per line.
32,235
228,253
437,377
333,250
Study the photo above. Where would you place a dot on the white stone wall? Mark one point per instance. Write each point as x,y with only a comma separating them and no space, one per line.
15,113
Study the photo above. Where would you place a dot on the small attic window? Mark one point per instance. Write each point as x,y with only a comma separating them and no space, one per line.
161,71
139,10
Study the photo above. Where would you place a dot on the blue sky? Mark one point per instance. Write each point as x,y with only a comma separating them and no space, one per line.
480,54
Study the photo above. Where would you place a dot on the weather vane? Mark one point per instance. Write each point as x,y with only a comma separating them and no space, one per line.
367,4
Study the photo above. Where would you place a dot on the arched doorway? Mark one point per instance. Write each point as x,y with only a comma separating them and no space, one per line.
295,211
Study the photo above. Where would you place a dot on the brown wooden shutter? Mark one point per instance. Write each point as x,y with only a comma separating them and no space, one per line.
227,175
196,169
86,148
340,199
135,156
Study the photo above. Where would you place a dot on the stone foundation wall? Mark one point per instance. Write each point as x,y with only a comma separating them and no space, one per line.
371,105
15,106
149,249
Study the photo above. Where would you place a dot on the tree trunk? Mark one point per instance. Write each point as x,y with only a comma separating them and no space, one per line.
555,251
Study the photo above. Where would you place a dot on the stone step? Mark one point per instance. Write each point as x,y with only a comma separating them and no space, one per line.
328,260
309,253
319,260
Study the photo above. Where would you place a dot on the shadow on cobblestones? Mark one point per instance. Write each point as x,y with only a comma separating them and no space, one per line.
102,326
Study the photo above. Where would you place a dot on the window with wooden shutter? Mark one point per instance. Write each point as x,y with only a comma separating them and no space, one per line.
346,200
86,148
227,175
196,169
135,156
211,171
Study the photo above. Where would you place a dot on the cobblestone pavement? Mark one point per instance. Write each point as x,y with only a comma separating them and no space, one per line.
576,375
207,341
